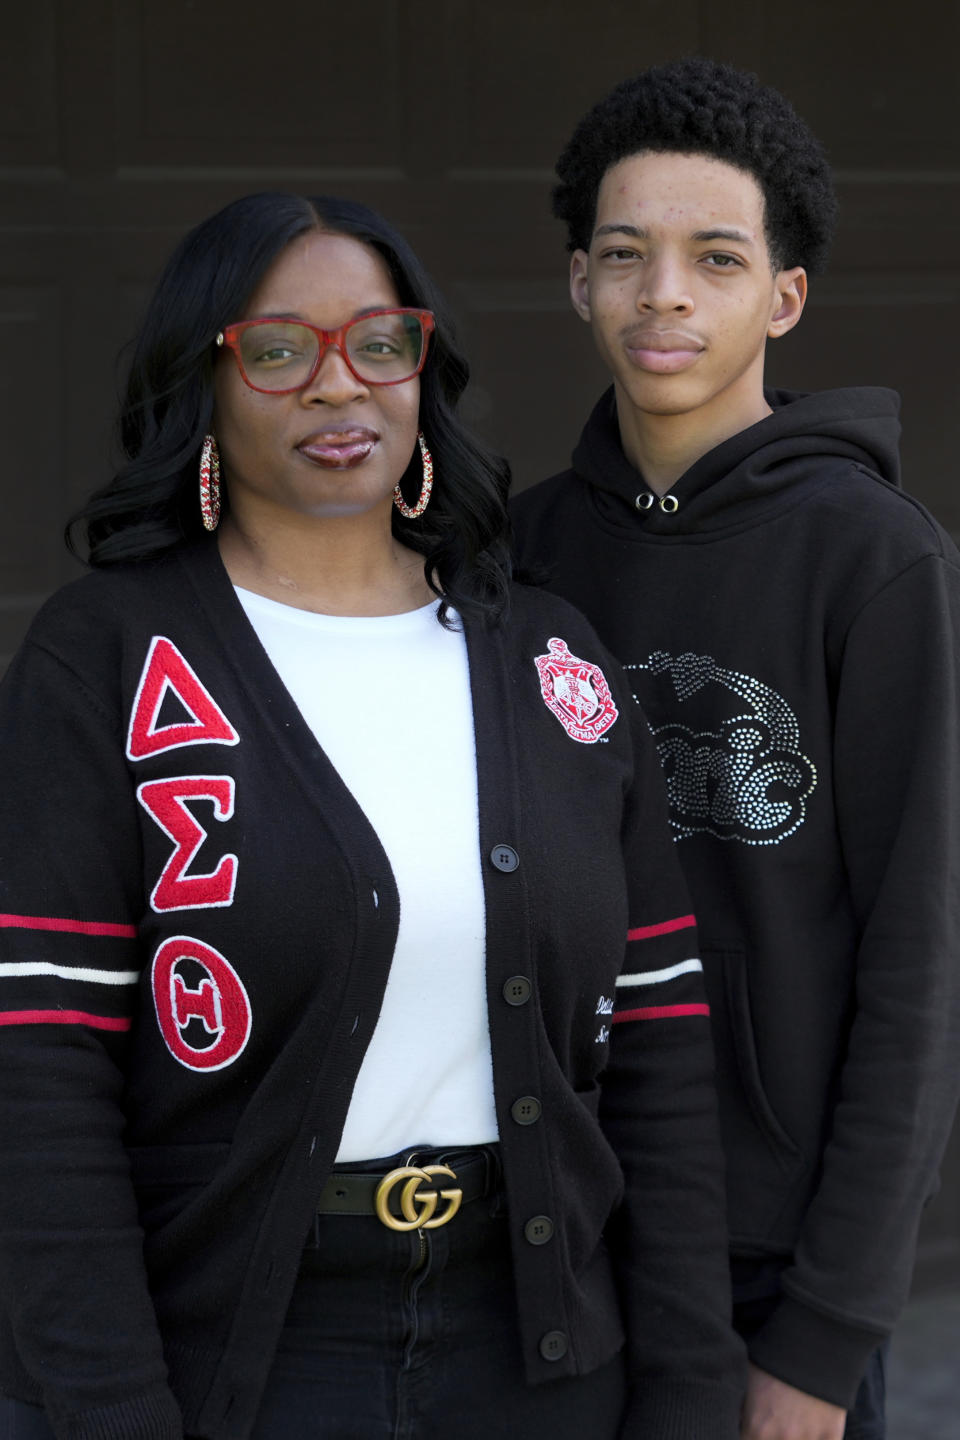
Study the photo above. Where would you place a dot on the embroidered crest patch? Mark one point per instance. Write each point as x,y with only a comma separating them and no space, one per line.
577,693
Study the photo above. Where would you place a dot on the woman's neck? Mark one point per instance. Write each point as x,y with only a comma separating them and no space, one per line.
340,566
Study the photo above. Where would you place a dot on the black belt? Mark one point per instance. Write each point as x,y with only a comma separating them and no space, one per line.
420,1194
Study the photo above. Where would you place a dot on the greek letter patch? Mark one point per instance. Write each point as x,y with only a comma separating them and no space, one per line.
165,671
202,1007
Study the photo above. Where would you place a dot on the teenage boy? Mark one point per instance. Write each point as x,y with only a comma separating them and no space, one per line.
791,621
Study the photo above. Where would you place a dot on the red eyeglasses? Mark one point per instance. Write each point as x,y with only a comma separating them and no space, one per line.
277,357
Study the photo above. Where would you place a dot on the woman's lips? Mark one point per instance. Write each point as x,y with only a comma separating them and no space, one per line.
339,449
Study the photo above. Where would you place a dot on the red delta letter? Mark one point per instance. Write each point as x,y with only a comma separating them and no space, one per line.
165,669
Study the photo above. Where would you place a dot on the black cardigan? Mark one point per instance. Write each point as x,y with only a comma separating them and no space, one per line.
197,926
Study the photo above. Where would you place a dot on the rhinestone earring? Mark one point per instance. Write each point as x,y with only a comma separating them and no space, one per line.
210,483
413,512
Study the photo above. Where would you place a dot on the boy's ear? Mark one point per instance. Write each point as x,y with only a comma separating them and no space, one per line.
791,296
579,289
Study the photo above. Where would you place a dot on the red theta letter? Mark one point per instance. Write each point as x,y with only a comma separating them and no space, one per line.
218,1000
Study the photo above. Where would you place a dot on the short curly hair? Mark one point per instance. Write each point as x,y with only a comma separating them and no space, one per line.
698,106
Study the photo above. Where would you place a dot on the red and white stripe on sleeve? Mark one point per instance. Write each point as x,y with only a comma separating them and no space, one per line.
662,977
83,975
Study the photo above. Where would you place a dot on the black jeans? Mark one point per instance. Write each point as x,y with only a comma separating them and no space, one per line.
22,1422
393,1337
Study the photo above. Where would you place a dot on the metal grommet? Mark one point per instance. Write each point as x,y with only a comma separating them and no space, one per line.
669,504
644,501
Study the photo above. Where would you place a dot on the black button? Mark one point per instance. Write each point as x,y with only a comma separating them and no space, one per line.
553,1346
517,990
539,1230
526,1110
505,858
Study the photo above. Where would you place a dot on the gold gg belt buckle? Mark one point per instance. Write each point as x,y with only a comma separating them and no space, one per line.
411,1197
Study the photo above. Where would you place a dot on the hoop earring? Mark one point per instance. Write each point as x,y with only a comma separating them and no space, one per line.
210,483
415,511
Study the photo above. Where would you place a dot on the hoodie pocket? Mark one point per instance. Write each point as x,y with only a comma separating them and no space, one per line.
763,1162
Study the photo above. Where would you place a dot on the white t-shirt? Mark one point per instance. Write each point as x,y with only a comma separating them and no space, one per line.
388,698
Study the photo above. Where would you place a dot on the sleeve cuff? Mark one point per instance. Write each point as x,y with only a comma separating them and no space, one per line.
814,1352
153,1415
682,1410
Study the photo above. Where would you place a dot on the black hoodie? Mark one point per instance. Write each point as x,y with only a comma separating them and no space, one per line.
790,621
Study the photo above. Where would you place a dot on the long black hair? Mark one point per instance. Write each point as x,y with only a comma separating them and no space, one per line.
151,503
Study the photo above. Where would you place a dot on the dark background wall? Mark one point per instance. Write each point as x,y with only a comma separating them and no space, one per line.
123,123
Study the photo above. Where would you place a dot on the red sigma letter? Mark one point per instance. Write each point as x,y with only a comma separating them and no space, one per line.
164,801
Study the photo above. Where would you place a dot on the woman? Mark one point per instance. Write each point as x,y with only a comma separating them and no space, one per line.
317,1108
